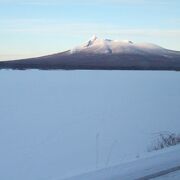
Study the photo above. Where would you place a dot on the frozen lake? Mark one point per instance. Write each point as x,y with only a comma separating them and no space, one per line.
55,124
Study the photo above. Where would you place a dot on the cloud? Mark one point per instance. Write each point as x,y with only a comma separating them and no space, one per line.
53,26
84,2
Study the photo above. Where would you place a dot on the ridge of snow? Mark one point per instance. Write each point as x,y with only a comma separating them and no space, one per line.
107,46
147,165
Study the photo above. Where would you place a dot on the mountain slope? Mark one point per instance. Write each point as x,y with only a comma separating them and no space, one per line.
104,54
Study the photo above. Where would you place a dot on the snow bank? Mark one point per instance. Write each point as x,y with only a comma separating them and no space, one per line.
146,166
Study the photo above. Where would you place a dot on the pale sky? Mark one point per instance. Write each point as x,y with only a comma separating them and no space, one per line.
37,27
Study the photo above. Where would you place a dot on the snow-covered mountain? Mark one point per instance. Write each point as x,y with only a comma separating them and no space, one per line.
106,54
107,46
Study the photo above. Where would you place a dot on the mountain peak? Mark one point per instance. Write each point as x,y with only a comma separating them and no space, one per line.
91,41
93,38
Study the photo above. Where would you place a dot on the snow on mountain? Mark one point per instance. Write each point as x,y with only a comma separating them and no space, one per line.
104,54
106,46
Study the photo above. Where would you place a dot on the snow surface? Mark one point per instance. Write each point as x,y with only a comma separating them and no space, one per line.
142,168
170,176
107,46
56,124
